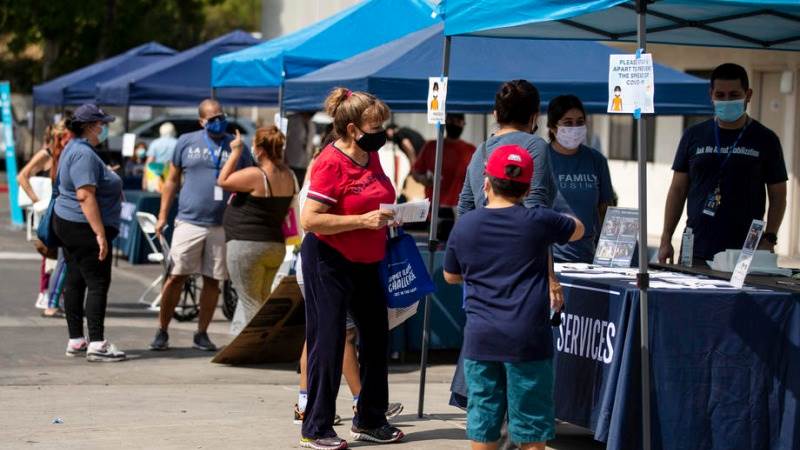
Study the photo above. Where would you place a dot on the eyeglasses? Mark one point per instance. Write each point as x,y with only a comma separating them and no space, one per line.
217,118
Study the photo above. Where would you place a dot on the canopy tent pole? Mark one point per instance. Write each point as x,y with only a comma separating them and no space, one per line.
127,120
33,128
433,244
643,278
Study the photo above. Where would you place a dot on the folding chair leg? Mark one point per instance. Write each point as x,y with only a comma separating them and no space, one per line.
153,285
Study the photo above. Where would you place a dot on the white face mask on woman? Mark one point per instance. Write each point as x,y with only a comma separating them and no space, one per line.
571,137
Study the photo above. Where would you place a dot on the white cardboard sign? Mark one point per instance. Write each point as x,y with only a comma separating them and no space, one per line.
631,85
746,256
437,96
128,144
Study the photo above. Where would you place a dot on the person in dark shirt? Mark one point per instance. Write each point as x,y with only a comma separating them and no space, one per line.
724,170
500,253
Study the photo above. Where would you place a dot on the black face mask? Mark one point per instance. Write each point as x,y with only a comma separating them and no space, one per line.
453,131
371,142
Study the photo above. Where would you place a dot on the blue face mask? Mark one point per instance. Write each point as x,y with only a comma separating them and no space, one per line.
103,134
217,127
729,110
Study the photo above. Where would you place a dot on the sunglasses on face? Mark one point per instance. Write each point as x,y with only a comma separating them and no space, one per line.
217,118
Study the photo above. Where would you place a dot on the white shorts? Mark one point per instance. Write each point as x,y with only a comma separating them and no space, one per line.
198,250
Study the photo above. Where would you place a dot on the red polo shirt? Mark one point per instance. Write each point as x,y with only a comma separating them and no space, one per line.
350,189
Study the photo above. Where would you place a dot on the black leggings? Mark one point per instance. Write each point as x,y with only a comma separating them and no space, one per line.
87,277
334,285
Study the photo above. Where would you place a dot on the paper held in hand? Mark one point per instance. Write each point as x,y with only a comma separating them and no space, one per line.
409,212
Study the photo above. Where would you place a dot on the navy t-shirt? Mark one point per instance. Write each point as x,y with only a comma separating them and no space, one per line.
583,181
502,255
756,162
196,203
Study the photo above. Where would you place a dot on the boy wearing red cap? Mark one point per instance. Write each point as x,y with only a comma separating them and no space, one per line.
500,253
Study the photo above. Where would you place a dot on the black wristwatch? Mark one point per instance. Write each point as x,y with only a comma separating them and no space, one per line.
772,238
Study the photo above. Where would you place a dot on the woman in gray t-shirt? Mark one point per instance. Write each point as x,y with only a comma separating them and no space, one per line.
87,219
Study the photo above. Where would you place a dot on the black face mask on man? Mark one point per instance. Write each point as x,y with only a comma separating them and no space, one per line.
453,131
371,142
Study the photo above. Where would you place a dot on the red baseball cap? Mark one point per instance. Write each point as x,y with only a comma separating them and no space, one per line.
510,155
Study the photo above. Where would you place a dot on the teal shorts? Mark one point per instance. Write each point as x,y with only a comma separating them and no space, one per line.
523,390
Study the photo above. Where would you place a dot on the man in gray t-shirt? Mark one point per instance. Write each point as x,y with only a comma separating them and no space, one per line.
198,240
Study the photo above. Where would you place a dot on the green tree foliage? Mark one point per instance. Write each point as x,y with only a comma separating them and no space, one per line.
71,35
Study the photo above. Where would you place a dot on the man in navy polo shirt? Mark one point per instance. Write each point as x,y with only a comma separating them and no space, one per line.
500,253
726,167
198,240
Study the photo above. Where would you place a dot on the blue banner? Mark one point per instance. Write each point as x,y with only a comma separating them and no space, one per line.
11,154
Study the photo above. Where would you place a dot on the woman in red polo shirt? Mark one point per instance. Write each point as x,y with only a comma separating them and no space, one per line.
345,241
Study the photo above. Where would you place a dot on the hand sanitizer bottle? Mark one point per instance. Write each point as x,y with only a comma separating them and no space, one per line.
687,248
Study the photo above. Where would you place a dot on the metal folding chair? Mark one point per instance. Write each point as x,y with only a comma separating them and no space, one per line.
187,308
147,222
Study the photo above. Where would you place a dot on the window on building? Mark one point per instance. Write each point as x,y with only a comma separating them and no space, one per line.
623,136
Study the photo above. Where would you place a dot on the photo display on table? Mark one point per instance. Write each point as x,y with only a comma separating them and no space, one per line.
618,238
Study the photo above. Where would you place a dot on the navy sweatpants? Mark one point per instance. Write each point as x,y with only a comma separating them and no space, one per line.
334,285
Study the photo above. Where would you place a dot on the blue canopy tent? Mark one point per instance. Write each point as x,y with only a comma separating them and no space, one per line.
354,30
78,87
183,79
398,72
756,24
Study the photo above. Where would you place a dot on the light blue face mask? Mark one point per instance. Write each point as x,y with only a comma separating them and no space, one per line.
729,110
103,134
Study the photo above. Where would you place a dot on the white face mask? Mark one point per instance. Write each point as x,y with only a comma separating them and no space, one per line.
571,137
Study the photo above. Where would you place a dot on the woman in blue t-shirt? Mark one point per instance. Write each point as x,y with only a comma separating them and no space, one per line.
581,175
87,219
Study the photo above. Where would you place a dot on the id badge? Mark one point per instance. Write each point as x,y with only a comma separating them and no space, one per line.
712,203
217,194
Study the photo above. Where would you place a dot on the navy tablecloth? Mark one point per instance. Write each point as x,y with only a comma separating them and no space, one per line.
725,366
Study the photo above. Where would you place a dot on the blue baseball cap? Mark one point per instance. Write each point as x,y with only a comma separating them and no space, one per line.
91,113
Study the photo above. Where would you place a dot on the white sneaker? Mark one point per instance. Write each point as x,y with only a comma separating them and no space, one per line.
76,347
43,300
104,351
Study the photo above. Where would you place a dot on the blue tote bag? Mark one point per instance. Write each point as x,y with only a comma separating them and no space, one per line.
45,231
404,275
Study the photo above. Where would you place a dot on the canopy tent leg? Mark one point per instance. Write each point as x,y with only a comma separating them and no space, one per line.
127,119
33,128
432,242
643,278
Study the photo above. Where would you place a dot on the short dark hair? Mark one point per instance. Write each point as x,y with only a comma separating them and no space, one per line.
516,102
558,107
730,71
455,116
507,188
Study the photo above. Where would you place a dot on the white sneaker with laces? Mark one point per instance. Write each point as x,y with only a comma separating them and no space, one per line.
104,351
76,347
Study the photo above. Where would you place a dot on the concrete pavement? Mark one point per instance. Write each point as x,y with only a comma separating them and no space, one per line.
171,400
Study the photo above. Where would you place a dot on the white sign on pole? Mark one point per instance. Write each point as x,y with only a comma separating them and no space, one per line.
631,85
437,96
128,144
140,113
746,256
281,122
